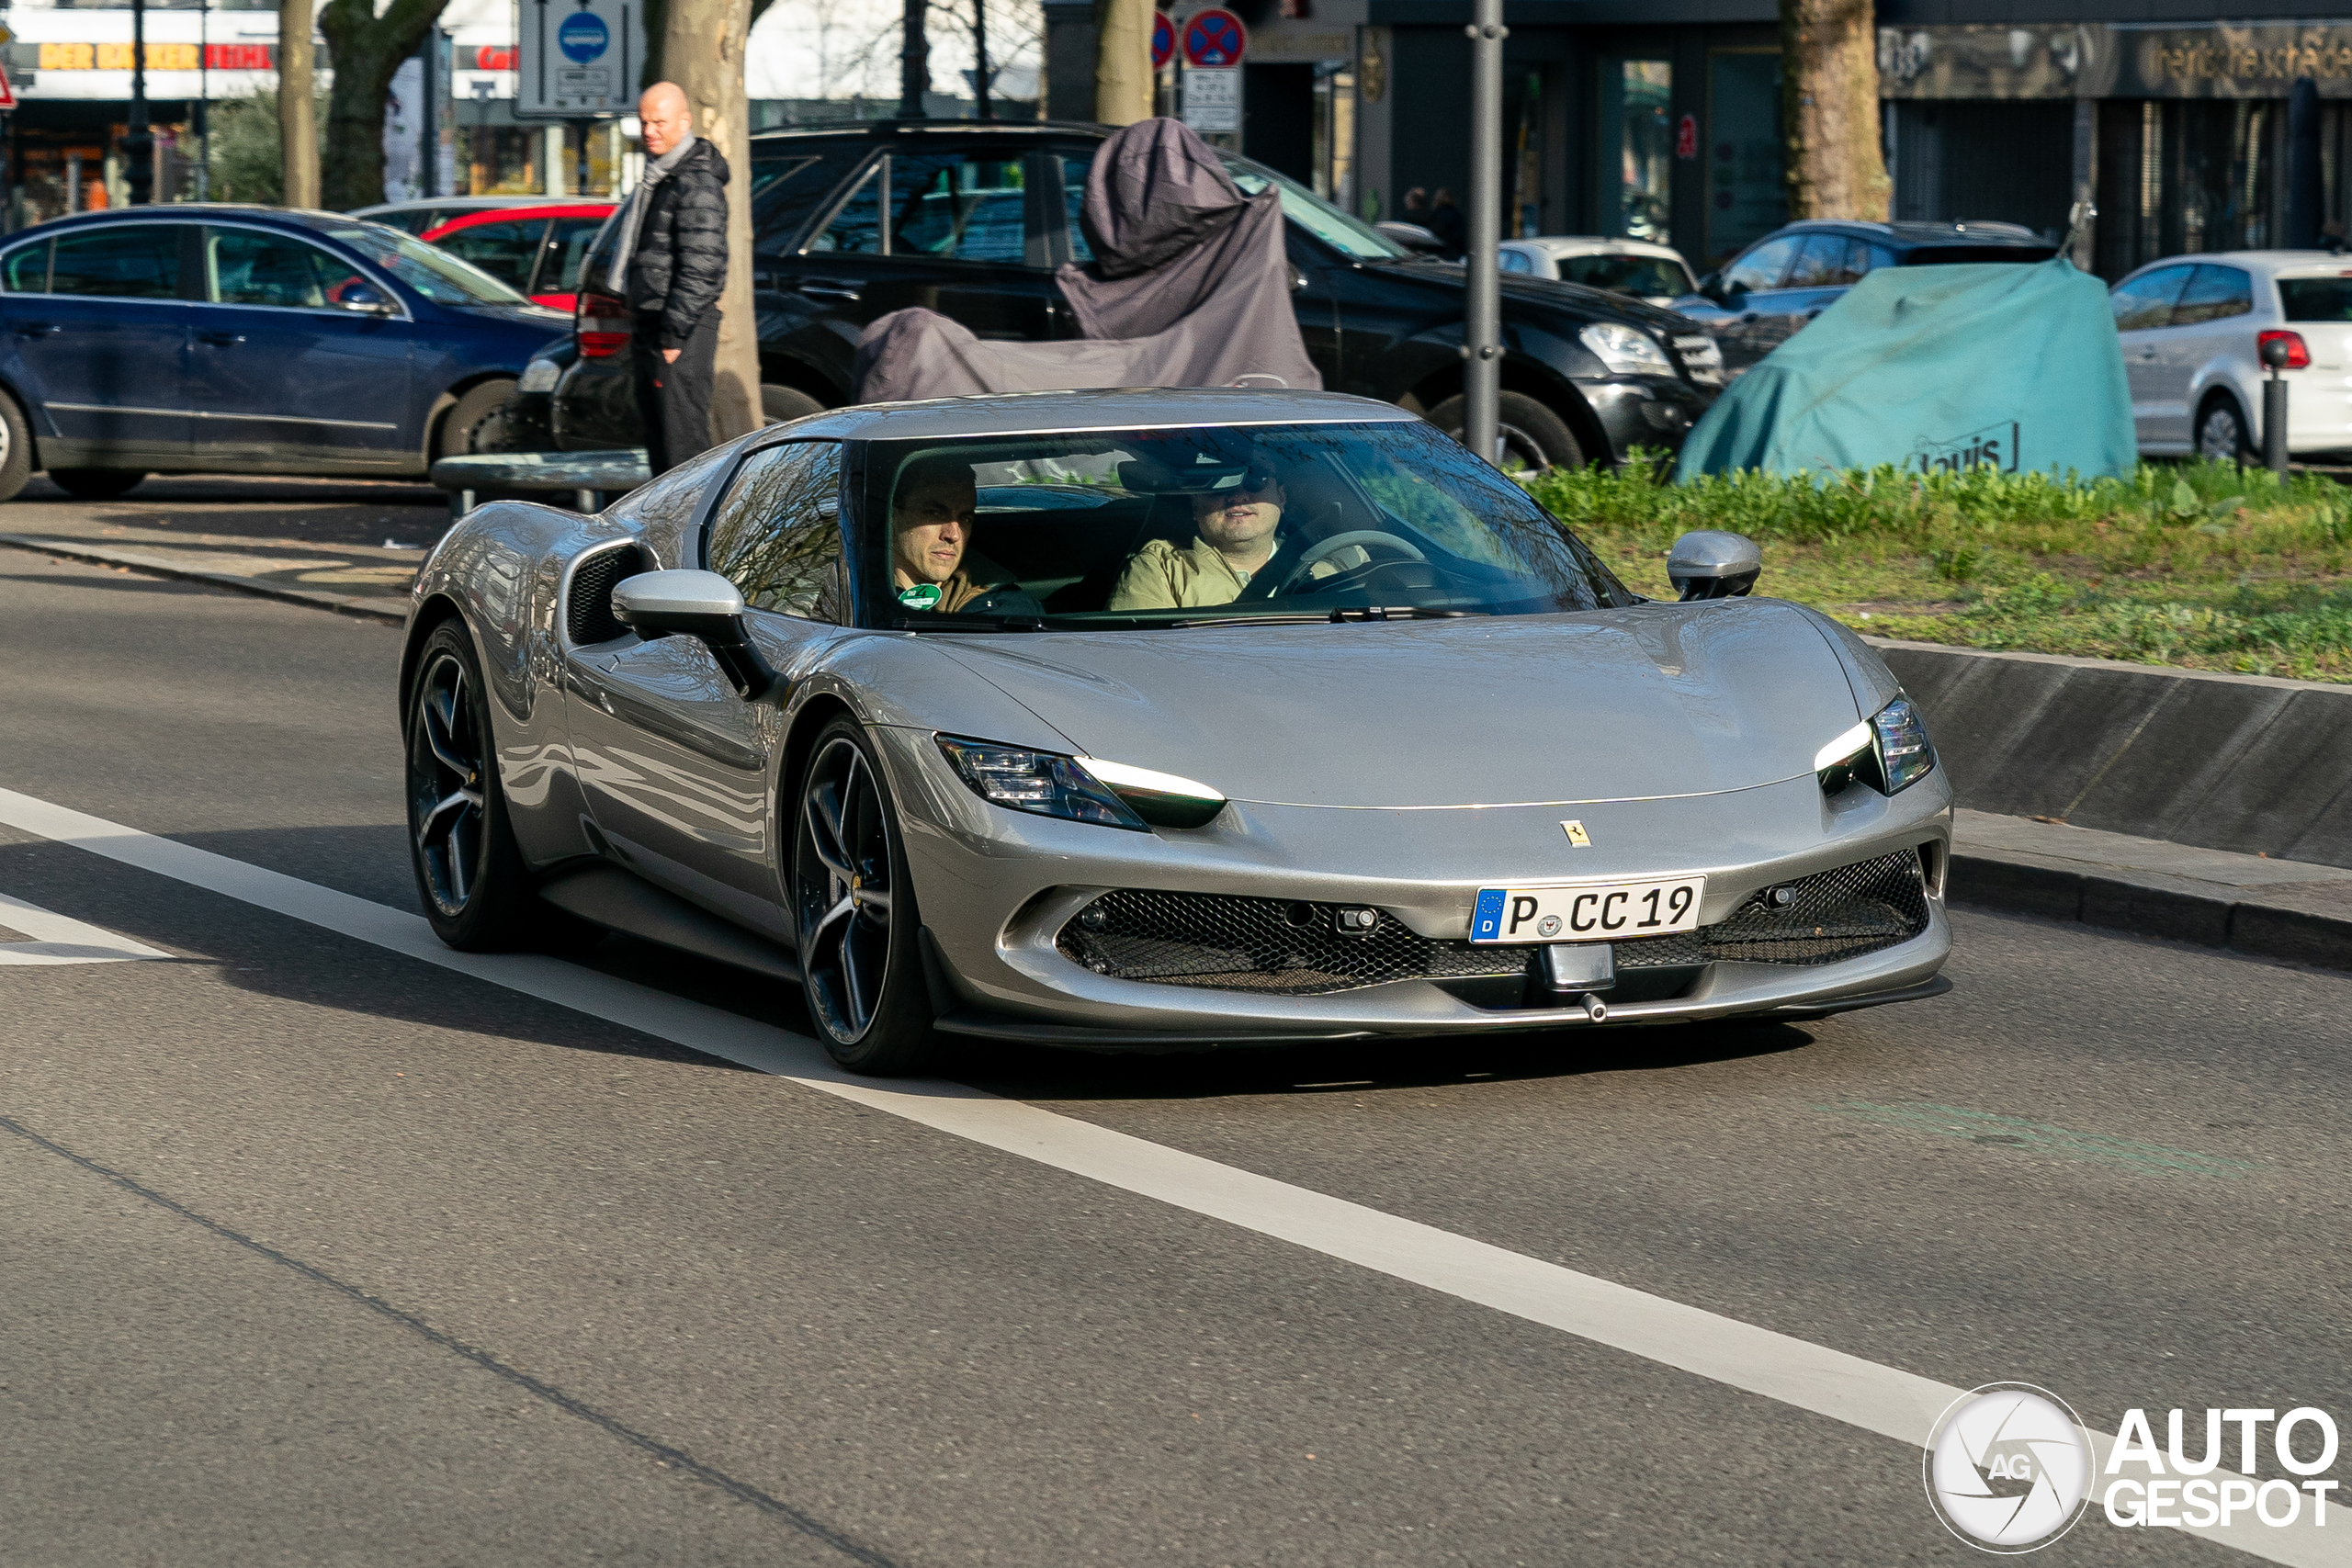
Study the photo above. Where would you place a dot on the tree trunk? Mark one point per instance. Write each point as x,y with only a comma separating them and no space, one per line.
1122,60
298,111
702,45
365,49
1829,110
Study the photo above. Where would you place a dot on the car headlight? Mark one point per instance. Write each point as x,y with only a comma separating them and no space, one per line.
1627,351
1080,789
540,376
1890,753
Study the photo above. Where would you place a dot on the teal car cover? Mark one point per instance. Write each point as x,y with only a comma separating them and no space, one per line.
1981,366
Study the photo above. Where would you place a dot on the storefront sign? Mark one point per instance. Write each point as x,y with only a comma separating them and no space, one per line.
160,57
1686,137
2097,60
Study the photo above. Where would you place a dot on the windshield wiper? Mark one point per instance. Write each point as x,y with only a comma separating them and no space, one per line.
962,623
1334,618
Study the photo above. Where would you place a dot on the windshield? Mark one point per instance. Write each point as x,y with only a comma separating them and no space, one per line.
431,271
1644,277
1209,525
1316,215
2316,298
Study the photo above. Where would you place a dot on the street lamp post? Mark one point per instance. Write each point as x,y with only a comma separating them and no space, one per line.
137,141
1481,334
914,61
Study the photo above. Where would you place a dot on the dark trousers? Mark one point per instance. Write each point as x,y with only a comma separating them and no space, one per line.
673,400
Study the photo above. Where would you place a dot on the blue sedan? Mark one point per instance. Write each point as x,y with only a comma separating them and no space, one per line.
248,340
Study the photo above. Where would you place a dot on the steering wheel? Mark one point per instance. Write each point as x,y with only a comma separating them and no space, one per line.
1337,542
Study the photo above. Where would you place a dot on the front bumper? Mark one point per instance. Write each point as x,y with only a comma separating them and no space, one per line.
996,887
1646,410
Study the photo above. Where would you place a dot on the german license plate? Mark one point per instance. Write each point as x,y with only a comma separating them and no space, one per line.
1587,911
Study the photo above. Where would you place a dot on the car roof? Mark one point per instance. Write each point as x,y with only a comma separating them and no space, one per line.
1596,245
1115,407
190,211
523,215
2267,262
1910,235
462,204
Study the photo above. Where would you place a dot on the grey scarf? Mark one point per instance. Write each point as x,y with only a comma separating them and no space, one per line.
633,215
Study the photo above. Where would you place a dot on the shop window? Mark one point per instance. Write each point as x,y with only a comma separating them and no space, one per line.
1745,197
2177,176
1636,148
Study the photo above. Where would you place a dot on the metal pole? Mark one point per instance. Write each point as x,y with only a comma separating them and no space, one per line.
914,59
980,57
204,101
2274,424
137,141
1481,335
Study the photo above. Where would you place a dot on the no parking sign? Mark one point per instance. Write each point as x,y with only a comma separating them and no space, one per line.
1163,39
1214,40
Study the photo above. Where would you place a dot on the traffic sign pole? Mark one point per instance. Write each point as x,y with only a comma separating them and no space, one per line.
1481,336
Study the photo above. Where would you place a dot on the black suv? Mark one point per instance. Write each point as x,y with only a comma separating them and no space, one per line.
971,220
1761,297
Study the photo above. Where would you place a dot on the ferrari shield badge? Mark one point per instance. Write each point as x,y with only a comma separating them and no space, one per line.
1577,836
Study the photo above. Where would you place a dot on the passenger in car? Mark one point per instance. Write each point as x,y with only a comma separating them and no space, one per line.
1237,532
933,567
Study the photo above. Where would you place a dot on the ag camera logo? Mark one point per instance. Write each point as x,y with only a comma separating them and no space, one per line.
2007,1468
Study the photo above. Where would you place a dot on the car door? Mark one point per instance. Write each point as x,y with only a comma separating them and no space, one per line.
1744,321
290,366
957,231
97,336
2211,343
677,767
506,248
2143,307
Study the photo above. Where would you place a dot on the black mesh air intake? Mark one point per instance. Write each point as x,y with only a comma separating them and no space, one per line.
1829,916
588,609
1271,946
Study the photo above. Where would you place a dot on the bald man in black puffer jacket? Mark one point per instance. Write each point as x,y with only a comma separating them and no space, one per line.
674,258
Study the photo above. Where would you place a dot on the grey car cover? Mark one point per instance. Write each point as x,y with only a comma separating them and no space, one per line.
1189,287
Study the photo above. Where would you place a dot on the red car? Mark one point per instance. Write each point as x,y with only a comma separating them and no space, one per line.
534,250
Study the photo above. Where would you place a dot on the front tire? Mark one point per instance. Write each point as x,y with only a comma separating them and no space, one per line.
2221,431
778,404
468,871
94,484
1531,436
855,911
15,448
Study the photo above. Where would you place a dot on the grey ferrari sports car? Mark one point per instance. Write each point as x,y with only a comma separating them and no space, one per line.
1156,719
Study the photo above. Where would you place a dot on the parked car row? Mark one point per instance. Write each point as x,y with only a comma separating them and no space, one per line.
972,220
212,338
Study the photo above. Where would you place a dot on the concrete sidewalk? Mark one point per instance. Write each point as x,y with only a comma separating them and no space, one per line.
2268,908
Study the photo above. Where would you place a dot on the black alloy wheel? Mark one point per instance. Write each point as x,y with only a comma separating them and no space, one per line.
467,867
856,914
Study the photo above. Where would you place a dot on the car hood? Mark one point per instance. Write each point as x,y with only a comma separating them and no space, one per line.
1517,289
1655,700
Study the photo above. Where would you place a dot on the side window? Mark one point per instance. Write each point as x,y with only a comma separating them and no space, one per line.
2213,294
1074,197
1819,262
568,242
122,260
969,208
1852,264
2146,301
251,266
777,535
506,251
786,187
25,271
1761,267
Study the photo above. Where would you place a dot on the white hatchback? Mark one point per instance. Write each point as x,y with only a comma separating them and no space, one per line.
1656,274
2192,330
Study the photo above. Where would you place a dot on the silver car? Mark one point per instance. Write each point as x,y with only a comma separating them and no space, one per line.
1160,719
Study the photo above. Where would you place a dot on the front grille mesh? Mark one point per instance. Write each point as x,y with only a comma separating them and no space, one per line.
1274,947
588,609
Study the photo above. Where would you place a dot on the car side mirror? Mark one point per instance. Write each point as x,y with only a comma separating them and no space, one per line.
699,605
368,299
1708,563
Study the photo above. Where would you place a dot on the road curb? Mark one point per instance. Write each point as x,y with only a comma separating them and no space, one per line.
338,603
2149,905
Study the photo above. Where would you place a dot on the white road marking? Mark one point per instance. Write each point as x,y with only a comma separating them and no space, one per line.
59,940
1881,1398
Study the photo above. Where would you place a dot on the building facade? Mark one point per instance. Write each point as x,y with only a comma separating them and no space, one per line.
1660,119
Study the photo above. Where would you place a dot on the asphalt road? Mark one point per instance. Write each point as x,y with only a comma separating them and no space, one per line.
312,1251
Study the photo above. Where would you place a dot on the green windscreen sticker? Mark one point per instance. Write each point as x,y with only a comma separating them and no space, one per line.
921,596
